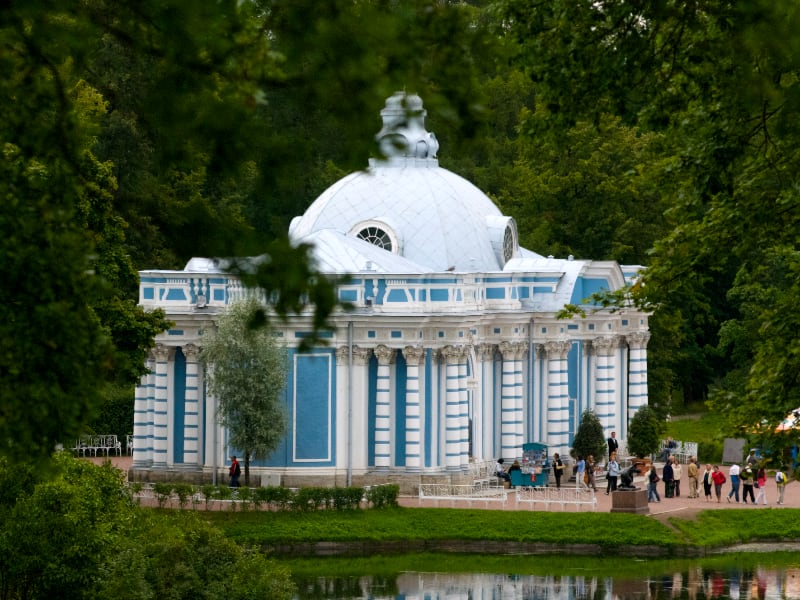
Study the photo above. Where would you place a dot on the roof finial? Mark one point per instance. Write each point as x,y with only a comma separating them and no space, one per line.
403,132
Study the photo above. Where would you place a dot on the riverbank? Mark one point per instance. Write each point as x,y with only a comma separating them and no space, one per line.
677,527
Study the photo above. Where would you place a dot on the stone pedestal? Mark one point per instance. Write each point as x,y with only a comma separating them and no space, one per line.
630,501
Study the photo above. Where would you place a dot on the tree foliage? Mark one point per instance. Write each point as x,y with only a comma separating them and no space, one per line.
589,438
246,372
719,80
138,134
75,532
644,434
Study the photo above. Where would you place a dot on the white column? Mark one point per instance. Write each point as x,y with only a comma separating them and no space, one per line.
558,417
383,408
511,401
519,380
463,397
160,424
605,399
485,433
414,356
637,377
142,423
352,425
191,412
455,430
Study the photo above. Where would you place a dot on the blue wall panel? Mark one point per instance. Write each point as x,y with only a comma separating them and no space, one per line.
313,409
401,369
179,407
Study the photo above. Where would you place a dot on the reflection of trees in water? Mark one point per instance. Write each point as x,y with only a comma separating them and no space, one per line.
696,583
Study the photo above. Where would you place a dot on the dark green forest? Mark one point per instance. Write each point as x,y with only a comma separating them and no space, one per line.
138,134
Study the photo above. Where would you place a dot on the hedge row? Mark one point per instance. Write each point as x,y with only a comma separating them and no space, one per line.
273,497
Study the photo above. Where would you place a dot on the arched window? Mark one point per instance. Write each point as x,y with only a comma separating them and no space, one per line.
377,237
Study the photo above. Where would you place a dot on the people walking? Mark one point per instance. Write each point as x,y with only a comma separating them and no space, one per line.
652,485
613,444
733,473
558,469
708,482
718,477
234,471
748,479
612,473
668,475
761,484
677,475
591,465
780,480
580,473
692,473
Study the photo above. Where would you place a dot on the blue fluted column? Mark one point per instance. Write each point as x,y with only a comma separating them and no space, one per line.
383,407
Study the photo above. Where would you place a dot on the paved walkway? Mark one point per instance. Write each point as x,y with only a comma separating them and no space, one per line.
682,507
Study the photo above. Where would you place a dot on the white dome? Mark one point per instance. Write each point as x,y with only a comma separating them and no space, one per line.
410,206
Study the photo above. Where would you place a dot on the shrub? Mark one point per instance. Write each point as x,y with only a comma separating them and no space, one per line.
347,498
644,435
589,439
280,498
163,492
208,491
310,498
245,496
183,491
383,496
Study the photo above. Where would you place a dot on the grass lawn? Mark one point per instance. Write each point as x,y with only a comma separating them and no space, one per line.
608,530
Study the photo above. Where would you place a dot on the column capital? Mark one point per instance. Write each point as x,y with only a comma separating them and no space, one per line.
161,352
191,352
414,354
386,355
605,345
486,351
638,339
360,355
557,349
513,350
452,354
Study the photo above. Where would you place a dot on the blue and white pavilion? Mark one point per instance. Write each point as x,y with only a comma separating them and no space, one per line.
454,353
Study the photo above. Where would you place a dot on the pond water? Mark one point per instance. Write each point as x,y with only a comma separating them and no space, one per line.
752,576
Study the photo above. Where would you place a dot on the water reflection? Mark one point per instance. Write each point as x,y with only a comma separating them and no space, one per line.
696,583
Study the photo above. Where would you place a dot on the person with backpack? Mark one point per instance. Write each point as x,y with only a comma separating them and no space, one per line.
652,485
234,472
780,479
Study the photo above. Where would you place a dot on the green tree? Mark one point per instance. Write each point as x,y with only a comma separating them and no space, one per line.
246,370
644,434
589,438
137,134
719,80
60,527
181,556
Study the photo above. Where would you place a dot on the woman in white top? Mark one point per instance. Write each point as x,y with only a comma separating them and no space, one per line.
677,473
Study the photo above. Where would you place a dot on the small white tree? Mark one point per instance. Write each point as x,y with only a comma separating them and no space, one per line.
246,371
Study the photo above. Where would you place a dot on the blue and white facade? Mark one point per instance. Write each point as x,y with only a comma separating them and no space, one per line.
454,352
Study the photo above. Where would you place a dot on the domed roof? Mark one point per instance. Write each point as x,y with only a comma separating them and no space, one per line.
409,206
